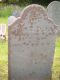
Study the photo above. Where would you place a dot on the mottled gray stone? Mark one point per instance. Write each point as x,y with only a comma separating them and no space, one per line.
53,10
31,45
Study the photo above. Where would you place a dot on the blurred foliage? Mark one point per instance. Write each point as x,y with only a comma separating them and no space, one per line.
6,11
26,2
12,1
43,2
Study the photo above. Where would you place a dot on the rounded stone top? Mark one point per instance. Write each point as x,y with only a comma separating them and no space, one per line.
53,10
32,13
34,8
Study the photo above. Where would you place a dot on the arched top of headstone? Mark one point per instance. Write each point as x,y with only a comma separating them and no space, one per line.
30,14
34,9
54,3
53,10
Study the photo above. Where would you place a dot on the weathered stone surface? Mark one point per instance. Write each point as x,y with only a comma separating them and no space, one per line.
53,10
31,45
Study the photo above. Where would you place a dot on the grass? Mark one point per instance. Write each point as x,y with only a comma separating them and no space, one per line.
6,11
3,61
4,58
3,20
3,55
56,64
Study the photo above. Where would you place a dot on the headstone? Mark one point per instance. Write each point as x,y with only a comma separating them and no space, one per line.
53,10
17,10
31,45
2,31
16,13
11,19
